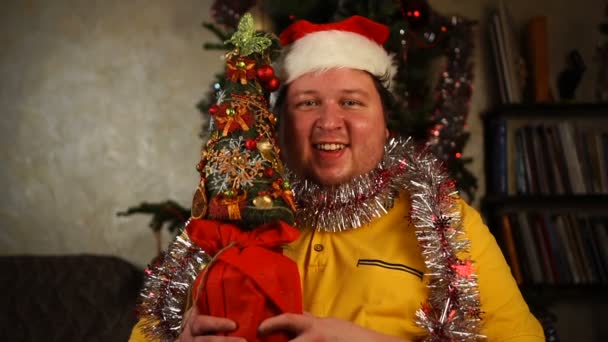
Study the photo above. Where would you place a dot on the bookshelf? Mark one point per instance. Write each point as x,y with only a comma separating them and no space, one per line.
546,202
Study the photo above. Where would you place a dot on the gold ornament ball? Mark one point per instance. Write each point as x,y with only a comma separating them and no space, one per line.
262,202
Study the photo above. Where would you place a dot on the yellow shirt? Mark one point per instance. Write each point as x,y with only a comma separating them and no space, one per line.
373,277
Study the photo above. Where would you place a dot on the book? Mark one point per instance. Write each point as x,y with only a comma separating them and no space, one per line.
602,157
554,159
552,248
498,164
520,163
532,253
582,151
600,236
523,257
559,161
530,157
509,243
538,59
558,255
575,174
512,55
542,245
541,175
592,250
579,252
597,165
566,242
498,59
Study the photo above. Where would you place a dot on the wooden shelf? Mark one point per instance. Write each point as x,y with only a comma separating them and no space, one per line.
565,291
591,204
543,110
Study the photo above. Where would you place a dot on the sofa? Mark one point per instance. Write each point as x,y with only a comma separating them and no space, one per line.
68,298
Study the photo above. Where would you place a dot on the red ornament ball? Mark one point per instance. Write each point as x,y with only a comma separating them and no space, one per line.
251,144
265,73
268,172
273,84
214,109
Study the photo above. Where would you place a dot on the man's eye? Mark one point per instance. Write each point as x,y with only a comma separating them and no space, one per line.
306,104
350,103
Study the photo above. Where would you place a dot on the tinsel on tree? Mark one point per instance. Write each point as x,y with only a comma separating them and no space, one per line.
431,105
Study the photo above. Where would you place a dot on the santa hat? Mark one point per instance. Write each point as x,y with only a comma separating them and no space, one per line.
356,42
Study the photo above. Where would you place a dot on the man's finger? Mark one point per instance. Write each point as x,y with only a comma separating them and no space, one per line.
202,324
286,322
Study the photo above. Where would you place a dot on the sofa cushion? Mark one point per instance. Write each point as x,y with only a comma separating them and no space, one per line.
67,298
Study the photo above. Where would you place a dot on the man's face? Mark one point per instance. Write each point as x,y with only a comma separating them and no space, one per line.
333,126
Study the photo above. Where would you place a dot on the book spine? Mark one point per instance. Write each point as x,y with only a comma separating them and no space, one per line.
520,163
538,58
498,60
566,241
499,163
557,251
508,239
534,257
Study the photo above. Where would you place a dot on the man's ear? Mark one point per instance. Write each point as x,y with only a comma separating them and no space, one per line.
387,133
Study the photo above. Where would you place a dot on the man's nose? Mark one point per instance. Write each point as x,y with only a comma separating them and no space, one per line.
330,117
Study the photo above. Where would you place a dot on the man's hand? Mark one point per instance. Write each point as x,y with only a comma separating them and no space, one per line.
201,328
310,328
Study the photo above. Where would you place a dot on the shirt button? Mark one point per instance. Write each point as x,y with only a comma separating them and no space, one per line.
318,247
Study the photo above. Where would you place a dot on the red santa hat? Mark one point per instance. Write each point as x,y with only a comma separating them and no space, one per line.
356,42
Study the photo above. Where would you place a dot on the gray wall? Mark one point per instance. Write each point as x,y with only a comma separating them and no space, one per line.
98,113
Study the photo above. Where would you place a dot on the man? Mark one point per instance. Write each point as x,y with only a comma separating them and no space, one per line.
379,253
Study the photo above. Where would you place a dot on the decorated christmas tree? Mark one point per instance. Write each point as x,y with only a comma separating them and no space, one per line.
242,212
240,167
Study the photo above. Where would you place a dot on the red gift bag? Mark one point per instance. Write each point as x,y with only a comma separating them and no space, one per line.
249,278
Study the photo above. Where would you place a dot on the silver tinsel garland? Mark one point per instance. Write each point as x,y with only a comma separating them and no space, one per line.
165,294
452,310
353,204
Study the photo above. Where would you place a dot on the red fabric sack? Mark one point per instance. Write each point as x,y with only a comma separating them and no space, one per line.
249,278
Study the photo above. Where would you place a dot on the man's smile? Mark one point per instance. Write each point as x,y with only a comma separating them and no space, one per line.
329,147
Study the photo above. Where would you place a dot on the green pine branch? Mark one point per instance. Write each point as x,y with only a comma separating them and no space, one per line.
168,213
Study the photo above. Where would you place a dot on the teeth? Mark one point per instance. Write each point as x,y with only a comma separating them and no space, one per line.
330,147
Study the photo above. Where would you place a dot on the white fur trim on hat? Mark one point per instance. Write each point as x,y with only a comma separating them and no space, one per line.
326,50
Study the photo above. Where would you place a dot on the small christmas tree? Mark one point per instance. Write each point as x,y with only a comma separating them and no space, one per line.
242,213
241,173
